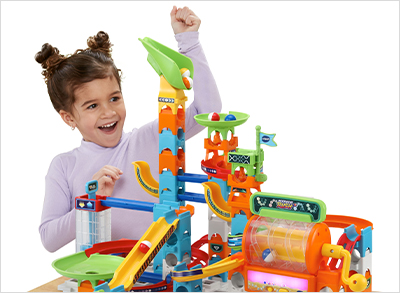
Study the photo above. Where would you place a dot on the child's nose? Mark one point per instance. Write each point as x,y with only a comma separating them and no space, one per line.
108,111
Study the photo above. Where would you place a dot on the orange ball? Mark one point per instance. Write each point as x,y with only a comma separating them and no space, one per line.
188,82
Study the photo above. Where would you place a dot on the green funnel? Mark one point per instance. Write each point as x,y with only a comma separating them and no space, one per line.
167,62
222,126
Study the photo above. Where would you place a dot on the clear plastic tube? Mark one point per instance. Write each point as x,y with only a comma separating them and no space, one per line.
277,243
92,228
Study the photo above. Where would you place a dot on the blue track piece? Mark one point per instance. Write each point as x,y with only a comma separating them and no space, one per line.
365,241
238,223
191,196
351,232
154,278
223,276
170,187
191,286
235,243
225,189
103,288
194,178
128,204
120,288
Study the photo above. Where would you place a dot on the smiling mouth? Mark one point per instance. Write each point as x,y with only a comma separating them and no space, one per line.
109,127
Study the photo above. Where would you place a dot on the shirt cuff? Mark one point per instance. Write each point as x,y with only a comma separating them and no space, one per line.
187,40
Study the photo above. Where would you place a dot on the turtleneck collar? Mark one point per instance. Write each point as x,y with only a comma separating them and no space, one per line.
94,146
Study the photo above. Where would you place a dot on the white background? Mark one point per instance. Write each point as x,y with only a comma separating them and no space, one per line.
323,76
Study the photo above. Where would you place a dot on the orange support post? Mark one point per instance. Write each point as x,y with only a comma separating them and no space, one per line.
171,162
217,240
239,196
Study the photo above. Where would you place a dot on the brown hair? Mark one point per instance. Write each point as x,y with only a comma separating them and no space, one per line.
64,74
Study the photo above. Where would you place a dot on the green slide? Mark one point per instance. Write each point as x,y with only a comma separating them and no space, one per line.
167,62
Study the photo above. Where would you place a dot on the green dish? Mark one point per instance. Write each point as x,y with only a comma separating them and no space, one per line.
241,118
94,268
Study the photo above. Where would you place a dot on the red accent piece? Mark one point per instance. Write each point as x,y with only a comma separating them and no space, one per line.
98,206
199,256
155,287
348,245
199,243
222,173
110,247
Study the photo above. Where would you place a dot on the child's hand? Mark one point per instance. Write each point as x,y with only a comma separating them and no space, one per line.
184,20
106,178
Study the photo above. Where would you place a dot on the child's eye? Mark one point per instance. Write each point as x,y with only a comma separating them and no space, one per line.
114,99
92,106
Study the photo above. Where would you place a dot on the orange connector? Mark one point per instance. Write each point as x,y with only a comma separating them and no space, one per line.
171,162
217,144
186,208
166,119
86,286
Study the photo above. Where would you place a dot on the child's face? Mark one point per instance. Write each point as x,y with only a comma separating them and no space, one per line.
99,111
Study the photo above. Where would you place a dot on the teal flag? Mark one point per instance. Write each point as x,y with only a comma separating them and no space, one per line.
267,139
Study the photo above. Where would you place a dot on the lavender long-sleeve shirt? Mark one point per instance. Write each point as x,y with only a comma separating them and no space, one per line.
69,172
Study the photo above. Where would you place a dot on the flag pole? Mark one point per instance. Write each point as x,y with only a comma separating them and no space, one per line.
258,128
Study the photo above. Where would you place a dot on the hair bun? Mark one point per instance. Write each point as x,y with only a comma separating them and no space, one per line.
100,42
44,54
49,57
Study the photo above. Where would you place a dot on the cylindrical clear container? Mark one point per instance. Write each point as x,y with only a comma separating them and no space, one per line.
91,228
278,243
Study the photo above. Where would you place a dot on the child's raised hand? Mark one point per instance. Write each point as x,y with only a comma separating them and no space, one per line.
184,20
106,178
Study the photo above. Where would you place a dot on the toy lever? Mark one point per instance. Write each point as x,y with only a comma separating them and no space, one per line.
356,282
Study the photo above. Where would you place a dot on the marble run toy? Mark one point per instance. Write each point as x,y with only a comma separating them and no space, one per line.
257,241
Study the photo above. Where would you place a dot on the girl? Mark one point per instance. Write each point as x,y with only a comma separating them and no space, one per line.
85,89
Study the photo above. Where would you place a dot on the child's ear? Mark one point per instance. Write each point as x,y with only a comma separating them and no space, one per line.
68,118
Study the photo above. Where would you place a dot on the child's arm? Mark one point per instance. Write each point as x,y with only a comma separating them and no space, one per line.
206,95
185,25
57,226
